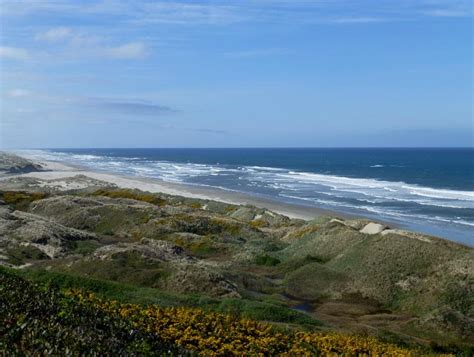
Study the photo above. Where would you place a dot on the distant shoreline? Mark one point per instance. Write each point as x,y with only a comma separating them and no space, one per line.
55,170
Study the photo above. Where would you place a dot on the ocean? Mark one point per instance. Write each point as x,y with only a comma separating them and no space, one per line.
425,190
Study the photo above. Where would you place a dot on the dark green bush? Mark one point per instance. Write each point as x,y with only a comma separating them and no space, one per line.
19,254
267,260
41,320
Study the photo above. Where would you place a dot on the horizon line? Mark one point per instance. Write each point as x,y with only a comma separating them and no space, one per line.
249,147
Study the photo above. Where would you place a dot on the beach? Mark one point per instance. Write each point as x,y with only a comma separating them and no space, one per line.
55,171
401,188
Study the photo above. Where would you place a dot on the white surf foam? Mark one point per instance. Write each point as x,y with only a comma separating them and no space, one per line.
383,197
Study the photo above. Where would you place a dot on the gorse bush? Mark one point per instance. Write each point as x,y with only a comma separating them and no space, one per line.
43,321
258,223
21,200
218,334
131,194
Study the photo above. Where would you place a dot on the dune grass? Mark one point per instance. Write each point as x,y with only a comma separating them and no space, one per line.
127,293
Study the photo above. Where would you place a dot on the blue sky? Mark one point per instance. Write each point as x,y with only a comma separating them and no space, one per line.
236,73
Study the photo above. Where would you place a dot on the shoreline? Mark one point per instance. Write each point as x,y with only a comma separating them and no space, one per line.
58,170
55,170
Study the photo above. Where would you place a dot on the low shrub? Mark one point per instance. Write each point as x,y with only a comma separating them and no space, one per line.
85,246
20,200
258,223
267,260
133,195
19,254
218,334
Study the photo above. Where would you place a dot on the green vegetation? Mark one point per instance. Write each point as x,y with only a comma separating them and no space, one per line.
265,311
20,200
42,319
131,194
85,247
244,261
125,267
18,255
38,320
127,293
267,260
203,248
258,223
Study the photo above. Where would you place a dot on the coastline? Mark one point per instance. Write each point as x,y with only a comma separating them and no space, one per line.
71,220
53,170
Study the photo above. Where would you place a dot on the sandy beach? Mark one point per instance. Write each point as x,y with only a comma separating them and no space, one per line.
55,171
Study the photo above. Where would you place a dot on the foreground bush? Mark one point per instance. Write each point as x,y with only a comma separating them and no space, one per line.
43,321
39,320
215,334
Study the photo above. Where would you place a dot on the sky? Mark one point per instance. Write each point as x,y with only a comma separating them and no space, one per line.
236,73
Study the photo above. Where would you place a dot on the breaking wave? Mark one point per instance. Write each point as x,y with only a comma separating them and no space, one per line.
384,199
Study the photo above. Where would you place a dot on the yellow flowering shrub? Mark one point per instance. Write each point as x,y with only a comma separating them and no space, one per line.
216,334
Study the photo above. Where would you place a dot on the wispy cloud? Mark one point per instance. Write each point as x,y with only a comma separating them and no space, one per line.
179,12
93,106
446,8
22,7
357,20
145,12
16,93
132,50
128,107
448,12
14,53
256,53
83,44
54,34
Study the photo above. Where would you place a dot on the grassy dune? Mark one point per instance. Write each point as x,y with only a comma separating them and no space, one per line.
322,276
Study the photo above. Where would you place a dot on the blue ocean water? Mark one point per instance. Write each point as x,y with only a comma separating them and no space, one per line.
426,190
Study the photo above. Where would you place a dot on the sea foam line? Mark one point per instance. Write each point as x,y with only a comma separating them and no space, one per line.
370,188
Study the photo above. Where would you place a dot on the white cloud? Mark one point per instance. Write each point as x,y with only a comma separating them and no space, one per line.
257,53
14,53
179,12
448,13
15,93
55,34
132,50
357,20
86,45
